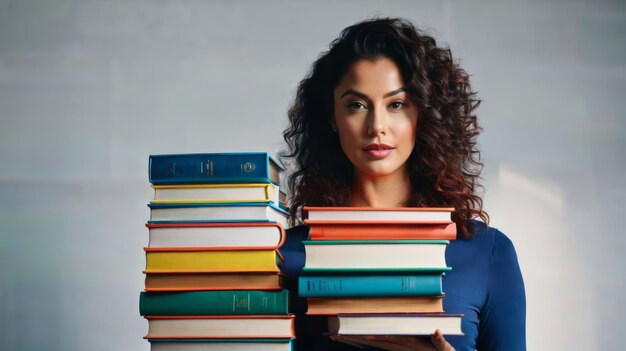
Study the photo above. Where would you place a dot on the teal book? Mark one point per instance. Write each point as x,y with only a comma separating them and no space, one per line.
214,168
224,302
370,285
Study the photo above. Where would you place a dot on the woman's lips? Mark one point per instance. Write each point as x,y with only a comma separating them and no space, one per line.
378,151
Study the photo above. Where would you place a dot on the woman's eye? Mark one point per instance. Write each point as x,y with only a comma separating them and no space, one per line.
357,106
397,105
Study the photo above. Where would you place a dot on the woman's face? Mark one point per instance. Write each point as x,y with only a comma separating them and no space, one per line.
375,118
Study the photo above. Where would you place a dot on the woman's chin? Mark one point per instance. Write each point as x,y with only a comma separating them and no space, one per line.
379,172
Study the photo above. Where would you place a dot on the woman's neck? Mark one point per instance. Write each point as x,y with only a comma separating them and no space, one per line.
393,190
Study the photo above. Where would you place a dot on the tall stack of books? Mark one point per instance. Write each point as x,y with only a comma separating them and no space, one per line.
213,278
378,271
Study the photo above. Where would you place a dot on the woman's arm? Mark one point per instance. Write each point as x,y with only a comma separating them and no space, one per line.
503,316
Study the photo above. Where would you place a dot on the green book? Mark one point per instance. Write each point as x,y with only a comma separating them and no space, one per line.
223,302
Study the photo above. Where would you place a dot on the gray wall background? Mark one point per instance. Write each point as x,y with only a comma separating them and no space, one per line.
88,89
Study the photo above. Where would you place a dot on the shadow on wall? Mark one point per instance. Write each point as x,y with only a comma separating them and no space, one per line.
533,210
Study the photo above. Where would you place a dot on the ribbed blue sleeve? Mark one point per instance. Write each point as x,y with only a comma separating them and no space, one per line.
502,323
486,286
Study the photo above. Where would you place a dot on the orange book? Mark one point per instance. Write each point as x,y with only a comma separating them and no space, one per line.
381,231
221,327
405,304
213,281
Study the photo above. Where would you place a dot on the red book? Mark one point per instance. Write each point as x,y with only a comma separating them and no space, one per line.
381,231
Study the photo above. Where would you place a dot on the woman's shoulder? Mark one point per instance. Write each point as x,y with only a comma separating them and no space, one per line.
488,236
487,244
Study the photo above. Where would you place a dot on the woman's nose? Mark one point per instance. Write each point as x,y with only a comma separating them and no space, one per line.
377,122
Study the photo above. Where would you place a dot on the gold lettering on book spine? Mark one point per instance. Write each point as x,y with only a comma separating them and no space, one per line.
208,167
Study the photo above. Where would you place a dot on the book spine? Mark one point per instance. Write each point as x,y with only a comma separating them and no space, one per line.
370,286
209,169
211,261
217,340
232,302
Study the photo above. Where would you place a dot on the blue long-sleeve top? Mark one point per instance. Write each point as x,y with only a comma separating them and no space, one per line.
485,285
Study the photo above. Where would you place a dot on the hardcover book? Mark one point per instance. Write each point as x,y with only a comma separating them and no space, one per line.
227,302
373,214
338,305
213,168
216,193
212,212
206,260
395,324
370,285
370,255
321,230
213,281
221,344
222,327
215,235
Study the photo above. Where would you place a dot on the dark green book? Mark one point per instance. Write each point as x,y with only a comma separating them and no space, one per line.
223,302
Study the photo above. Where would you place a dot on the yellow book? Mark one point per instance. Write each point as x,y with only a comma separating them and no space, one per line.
216,193
212,261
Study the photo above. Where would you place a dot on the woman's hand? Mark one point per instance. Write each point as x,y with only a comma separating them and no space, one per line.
399,343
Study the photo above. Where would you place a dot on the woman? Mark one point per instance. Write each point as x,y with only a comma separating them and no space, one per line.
385,118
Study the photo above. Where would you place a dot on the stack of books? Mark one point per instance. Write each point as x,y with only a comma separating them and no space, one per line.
213,278
378,271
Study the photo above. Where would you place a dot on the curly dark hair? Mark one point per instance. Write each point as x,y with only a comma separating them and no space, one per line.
444,167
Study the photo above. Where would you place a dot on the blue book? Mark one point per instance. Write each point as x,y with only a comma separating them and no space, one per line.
214,168
370,285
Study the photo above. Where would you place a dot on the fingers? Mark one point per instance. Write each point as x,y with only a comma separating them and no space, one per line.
440,342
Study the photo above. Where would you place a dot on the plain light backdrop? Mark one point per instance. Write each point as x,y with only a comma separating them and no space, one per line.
88,89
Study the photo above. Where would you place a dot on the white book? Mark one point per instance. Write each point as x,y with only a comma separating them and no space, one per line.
376,254
221,344
373,214
395,324
244,326
216,193
247,211
215,235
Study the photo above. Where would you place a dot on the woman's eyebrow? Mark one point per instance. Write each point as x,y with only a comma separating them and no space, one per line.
363,96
